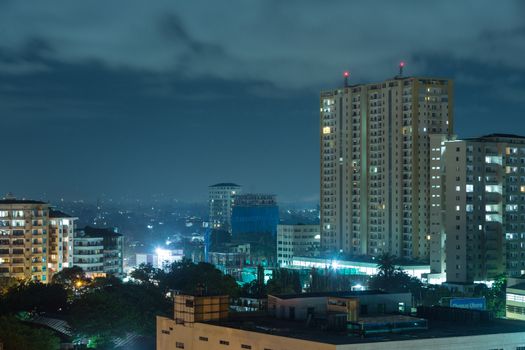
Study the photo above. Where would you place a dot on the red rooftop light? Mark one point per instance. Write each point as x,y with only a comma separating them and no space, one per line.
346,74
401,64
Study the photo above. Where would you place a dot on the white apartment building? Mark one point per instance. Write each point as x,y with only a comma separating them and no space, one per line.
220,197
375,164
296,240
61,231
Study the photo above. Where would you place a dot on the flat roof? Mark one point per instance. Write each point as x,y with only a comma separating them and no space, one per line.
342,294
53,213
520,286
99,232
225,184
299,330
19,201
360,261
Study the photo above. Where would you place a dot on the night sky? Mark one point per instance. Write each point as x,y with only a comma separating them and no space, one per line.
137,98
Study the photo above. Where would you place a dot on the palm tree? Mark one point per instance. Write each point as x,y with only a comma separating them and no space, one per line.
385,265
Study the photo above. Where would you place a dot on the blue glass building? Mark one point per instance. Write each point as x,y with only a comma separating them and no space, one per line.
254,216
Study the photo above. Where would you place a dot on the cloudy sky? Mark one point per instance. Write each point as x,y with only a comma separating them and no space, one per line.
134,98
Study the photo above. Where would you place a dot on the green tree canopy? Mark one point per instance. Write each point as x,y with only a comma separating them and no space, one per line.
18,336
34,297
187,277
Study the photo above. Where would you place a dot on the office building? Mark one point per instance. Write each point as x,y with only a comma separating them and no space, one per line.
254,215
331,321
296,240
220,203
98,251
61,232
24,239
483,209
375,164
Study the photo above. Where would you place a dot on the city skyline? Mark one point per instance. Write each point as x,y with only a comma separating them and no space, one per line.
170,106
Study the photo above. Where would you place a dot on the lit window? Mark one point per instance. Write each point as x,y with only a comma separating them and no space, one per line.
326,130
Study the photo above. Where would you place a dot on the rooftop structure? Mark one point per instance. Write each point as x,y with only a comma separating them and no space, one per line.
195,327
356,267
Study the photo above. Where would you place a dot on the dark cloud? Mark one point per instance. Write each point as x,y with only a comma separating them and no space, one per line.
134,98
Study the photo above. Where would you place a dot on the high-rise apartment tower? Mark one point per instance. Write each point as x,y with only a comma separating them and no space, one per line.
375,164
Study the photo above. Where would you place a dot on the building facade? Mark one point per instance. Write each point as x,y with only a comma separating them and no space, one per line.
483,203
253,215
24,239
98,251
297,240
220,198
61,233
515,299
203,322
375,164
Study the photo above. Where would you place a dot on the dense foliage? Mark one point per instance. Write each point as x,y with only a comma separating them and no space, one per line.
16,335
102,309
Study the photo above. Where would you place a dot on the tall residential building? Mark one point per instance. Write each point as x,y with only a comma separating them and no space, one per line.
484,208
24,242
220,202
296,240
375,164
61,231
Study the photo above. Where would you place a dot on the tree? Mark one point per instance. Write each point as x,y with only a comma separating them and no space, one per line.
18,336
187,277
34,297
386,265
112,310
256,288
396,281
6,283
146,273
73,279
284,281
496,296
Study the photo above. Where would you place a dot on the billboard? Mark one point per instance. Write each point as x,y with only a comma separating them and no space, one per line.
469,303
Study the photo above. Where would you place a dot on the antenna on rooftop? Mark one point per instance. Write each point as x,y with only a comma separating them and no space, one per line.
346,74
401,65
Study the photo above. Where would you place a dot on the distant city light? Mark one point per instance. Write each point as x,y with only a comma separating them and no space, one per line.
358,287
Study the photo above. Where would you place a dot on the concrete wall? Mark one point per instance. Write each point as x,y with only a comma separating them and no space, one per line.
192,338
508,341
